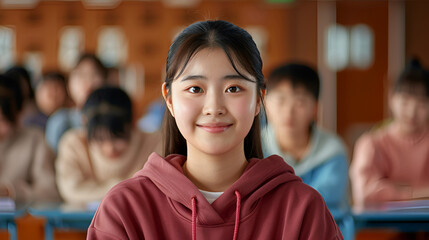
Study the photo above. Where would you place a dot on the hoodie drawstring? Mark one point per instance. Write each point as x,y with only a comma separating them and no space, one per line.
237,216
194,218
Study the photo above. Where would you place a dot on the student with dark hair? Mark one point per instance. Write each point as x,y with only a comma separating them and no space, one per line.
26,162
212,182
28,108
88,75
21,74
392,162
107,150
51,95
317,156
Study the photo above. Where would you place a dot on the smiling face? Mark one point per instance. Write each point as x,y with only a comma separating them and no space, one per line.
214,107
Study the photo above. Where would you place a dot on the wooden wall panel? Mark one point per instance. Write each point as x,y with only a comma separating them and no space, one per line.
149,28
417,36
361,94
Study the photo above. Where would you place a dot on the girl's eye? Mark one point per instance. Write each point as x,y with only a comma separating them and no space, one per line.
195,90
233,89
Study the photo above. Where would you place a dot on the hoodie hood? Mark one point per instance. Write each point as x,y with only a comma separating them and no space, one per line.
259,178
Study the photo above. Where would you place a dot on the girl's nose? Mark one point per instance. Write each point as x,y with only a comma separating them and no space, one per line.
214,105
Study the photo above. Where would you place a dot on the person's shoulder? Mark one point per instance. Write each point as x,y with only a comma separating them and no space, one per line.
373,137
299,192
75,134
329,137
74,137
58,120
137,187
29,136
330,142
61,113
31,132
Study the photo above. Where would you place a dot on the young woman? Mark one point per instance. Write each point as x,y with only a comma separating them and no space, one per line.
107,150
392,163
213,182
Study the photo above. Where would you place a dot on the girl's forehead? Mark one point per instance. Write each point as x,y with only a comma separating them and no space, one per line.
214,61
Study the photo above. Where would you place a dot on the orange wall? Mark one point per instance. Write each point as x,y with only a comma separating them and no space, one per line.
149,27
361,93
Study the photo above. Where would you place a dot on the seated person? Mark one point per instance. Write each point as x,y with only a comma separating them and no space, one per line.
51,95
317,156
392,162
26,162
88,75
108,150
22,76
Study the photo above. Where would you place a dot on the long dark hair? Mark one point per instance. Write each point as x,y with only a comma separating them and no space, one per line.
239,47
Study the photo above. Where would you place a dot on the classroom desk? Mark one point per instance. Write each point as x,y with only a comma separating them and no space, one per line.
7,221
62,216
412,216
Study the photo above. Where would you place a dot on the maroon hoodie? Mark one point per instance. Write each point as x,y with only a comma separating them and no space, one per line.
267,202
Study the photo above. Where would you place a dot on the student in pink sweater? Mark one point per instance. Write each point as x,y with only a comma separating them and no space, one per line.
392,163
213,182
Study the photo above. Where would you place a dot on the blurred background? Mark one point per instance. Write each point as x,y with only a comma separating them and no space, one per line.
359,47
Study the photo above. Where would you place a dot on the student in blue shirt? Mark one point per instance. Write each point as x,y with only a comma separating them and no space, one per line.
317,156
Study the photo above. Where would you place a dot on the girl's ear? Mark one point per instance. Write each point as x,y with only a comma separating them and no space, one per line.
167,98
259,102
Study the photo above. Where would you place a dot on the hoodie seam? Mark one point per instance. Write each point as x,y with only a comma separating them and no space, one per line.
247,217
104,232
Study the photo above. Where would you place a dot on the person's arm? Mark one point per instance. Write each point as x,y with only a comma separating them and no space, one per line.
419,192
331,180
44,186
38,183
368,176
75,179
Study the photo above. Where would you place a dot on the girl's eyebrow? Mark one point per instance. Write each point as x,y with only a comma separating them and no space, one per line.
194,77
237,77
227,77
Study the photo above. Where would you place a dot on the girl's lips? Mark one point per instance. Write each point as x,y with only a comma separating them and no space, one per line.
214,128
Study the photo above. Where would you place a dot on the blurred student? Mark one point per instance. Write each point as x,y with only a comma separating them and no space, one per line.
88,75
317,156
51,95
26,162
392,163
22,76
107,150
